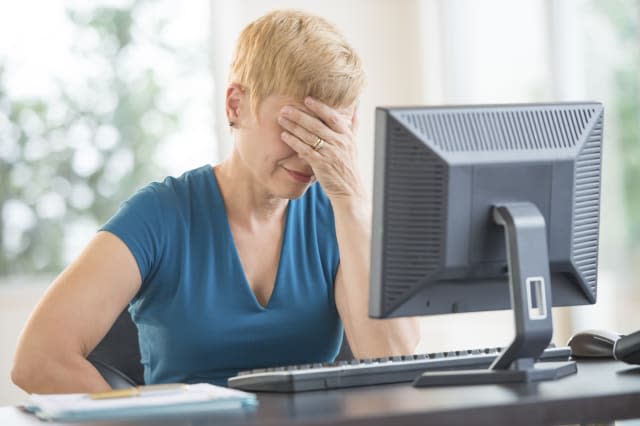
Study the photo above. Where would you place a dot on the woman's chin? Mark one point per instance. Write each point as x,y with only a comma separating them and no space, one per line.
292,191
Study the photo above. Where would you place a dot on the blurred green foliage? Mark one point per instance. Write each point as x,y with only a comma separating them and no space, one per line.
74,159
624,18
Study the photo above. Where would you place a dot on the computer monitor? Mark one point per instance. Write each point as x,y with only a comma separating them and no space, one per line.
487,207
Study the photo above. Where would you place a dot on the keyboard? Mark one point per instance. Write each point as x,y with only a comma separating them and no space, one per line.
375,371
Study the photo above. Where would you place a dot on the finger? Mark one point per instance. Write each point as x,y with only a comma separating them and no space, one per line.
304,150
301,133
328,115
307,123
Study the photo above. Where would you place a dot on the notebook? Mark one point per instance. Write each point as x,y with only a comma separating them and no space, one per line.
196,398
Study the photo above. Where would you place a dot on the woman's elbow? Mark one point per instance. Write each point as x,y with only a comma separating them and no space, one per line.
34,362
24,372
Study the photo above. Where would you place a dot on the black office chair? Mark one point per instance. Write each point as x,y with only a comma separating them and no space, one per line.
117,356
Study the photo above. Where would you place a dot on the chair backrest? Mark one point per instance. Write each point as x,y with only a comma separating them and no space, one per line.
117,356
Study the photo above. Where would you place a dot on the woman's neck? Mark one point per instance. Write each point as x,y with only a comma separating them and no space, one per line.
248,203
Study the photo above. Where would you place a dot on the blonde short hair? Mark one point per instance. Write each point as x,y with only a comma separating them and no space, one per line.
293,53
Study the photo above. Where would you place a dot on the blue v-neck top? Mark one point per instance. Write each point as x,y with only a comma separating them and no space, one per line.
198,319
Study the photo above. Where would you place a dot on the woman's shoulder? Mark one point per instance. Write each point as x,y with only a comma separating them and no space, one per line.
194,180
173,198
176,190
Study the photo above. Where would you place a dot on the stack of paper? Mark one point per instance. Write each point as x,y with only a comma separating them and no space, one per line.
200,397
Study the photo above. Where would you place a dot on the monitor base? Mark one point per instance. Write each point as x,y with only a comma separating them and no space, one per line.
529,283
540,371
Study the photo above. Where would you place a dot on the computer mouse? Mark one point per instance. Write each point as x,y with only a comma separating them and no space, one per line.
627,348
593,343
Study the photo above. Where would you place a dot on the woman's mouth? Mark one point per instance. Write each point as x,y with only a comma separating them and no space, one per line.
299,177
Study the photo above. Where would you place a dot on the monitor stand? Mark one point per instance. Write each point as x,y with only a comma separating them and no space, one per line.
526,240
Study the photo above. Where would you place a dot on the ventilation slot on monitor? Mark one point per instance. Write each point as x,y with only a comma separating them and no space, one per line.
584,243
413,216
500,130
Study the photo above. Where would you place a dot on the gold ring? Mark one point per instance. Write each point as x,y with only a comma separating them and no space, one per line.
318,145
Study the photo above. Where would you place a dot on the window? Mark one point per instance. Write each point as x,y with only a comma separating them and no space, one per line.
95,101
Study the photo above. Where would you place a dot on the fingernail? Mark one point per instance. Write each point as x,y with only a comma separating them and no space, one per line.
286,111
308,100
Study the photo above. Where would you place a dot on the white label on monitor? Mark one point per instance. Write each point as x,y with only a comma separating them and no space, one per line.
536,298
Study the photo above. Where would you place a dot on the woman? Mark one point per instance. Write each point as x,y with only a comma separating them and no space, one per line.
257,261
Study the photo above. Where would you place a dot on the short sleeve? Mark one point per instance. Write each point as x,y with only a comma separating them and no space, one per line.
139,223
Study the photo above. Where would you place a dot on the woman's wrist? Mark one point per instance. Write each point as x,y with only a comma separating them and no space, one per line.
357,206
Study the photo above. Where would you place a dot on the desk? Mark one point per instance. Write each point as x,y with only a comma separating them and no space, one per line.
601,391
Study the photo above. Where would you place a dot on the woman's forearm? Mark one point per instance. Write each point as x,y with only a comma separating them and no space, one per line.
367,337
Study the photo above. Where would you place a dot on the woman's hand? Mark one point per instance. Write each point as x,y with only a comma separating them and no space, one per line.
334,160
334,165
